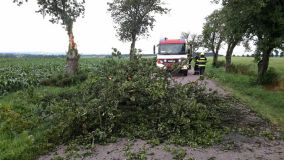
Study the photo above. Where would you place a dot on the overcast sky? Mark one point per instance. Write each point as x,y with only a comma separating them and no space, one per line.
23,30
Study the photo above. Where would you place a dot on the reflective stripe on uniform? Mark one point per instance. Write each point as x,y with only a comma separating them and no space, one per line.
202,60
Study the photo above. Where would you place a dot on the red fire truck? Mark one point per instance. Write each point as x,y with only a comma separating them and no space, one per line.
173,53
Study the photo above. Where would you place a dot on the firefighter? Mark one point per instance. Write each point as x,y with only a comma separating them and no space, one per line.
196,70
201,63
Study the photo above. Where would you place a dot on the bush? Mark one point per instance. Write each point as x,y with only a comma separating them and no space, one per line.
270,77
240,69
134,99
13,122
220,64
64,80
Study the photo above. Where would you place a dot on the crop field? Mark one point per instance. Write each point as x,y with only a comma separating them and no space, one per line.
277,63
21,73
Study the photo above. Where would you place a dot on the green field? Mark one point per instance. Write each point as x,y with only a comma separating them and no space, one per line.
277,63
268,103
21,73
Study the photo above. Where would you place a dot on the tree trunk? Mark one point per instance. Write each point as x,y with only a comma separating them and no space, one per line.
263,66
215,59
72,54
216,52
189,53
229,55
132,48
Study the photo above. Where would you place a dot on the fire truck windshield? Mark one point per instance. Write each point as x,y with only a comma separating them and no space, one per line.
171,49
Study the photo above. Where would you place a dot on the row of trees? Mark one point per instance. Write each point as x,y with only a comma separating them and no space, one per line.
243,21
133,19
259,21
271,55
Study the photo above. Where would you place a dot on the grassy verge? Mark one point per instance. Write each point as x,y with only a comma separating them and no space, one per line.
21,134
269,104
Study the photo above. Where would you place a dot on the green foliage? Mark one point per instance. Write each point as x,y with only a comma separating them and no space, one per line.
63,11
13,122
116,53
260,18
64,80
19,2
220,64
138,101
17,74
270,77
134,17
120,99
124,99
264,101
244,69
130,155
194,41
233,17
178,154
16,148
21,73
131,99
212,33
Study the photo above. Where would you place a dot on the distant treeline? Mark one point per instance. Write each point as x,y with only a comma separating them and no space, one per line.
24,55
21,55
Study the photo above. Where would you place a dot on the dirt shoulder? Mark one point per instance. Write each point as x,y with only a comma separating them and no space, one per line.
210,84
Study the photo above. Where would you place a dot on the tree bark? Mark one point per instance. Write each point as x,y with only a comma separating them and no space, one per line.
132,48
215,49
215,58
229,53
189,53
263,66
72,54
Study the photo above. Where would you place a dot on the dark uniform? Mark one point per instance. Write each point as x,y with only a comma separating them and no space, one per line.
201,63
196,70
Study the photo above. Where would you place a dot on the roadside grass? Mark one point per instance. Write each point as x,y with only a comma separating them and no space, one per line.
28,137
277,63
269,104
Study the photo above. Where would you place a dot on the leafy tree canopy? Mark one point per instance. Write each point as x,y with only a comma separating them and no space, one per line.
213,32
64,12
135,17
